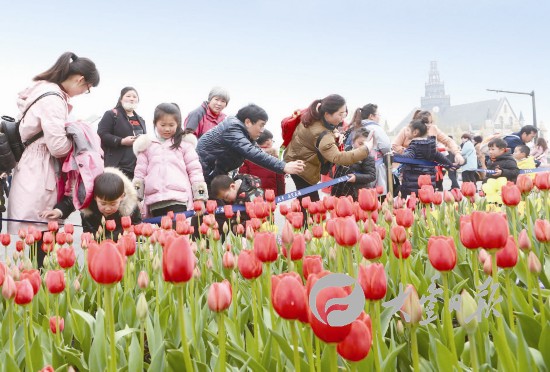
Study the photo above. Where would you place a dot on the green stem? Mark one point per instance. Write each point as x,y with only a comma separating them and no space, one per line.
473,352
351,271
473,263
375,339
271,310
306,341
193,306
447,317
295,345
58,331
68,287
402,272
529,287
333,357
221,341
414,349
541,302
255,318
513,212
11,335
186,356
509,300
318,353
142,338
111,325
28,359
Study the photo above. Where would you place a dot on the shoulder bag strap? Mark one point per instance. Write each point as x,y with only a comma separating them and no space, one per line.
41,133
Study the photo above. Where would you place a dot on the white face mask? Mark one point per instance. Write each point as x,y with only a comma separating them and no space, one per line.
129,106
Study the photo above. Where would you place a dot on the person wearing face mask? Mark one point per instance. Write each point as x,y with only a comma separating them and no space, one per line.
34,182
118,129
209,114
321,116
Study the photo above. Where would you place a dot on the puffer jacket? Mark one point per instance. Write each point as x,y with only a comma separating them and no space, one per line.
302,147
168,174
469,154
420,149
507,164
92,217
225,147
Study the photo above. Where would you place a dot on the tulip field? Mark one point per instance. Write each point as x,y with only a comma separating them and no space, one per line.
438,282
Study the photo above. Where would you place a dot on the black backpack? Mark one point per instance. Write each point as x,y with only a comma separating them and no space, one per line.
11,145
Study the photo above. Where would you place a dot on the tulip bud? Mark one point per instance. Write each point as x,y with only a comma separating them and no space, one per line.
400,327
482,256
143,279
466,315
8,288
332,254
228,260
57,323
156,263
487,265
523,240
209,263
19,246
411,311
142,310
76,285
534,264
196,272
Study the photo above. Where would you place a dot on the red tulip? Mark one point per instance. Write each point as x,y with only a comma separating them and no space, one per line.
53,226
508,256
110,225
19,246
411,201
48,368
524,183
457,195
166,223
228,260
346,232
105,264
287,236
442,253
68,228
265,246
249,265
424,179
533,263
283,209
312,265
2,273
143,280
317,231
228,211
269,195
542,181
147,230
381,231
368,199
357,344
198,205
323,330
128,243
406,249
511,196
297,249
344,207
219,296
404,217
126,222
398,234
542,230
29,239
468,189
490,229
54,322
66,257
372,279
426,194
448,196
437,198
61,238
6,239
211,206
33,276
23,292
523,240
289,298
371,245
178,261
467,235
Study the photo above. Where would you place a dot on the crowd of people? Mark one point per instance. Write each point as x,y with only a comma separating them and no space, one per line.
231,159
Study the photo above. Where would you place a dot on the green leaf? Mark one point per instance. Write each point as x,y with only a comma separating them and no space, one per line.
124,332
135,357
389,363
531,329
128,311
98,359
57,358
284,344
519,302
385,318
539,360
37,357
75,358
444,357
157,362
544,344
523,354
9,364
83,325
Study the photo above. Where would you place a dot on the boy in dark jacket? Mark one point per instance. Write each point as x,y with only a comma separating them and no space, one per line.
362,174
421,147
114,198
501,161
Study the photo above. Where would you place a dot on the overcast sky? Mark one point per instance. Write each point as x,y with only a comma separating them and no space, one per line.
283,54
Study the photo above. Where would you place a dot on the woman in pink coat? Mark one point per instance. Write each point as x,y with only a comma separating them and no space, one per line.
168,173
34,183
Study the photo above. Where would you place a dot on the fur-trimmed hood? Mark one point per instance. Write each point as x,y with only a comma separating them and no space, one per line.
130,201
143,142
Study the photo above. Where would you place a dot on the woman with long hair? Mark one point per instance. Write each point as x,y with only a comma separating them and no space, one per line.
540,152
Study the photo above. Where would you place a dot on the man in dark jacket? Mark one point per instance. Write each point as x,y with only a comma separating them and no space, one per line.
225,147
524,136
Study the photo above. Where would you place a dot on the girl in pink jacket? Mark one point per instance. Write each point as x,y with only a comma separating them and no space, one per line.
168,173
